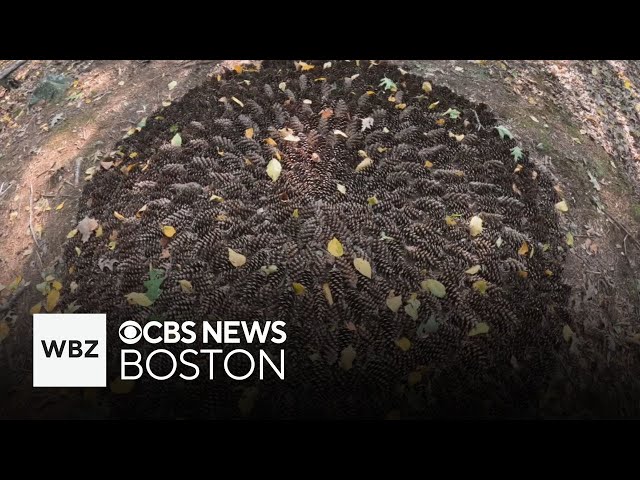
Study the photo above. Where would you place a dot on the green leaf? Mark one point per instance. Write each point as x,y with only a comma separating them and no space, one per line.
387,83
174,128
156,277
504,132
453,113
176,141
517,153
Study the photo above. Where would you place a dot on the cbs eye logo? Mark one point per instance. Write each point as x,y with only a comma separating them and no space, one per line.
130,332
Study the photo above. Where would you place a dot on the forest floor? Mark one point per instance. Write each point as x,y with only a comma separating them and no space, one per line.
580,120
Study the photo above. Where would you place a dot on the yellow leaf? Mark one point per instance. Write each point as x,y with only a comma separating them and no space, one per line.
391,98
433,105
52,300
394,302
562,206
569,239
401,106
112,245
296,213
236,259
119,216
78,251
370,92
435,287
517,169
136,298
362,266
403,344
335,247
133,154
523,273
327,293
342,189
475,226
347,356
4,330
168,231
367,162
414,378
450,220
305,66
57,285
480,329
546,247
426,87
216,198
524,248
567,333
237,101
428,164
238,68
37,308
473,270
459,138
440,122
119,386
548,273
186,286
271,141
372,201
99,231
72,233
59,207
480,286
274,168
298,288
248,133
291,138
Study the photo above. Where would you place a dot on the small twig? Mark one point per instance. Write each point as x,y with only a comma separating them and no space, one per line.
12,300
2,192
478,120
623,229
33,233
594,272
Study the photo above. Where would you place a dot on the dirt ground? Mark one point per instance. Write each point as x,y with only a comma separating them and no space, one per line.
580,120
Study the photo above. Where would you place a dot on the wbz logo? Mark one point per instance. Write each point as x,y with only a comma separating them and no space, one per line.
69,350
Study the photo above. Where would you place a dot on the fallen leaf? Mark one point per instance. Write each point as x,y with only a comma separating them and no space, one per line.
567,333
458,138
433,105
298,288
428,164
334,247
453,113
401,106
412,306
216,198
366,163
473,270
394,302
347,356
366,123
305,66
185,286
403,344
119,216
176,141
562,206
119,386
480,286
362,266
475,226
86,226
327,293
168,231
340,133
271,141
449,220
172,85
274,168
248,133
387,83
140,299
237,101
372,201
435,287
52,300
569,239
342,189
59,207
57,285
517,153
236,259
72,233
426,87
440,122
504,132
524,248
480,329
37,308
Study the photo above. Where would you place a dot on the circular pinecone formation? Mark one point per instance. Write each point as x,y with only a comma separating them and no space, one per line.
410,179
